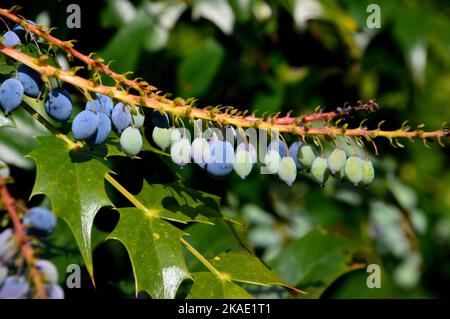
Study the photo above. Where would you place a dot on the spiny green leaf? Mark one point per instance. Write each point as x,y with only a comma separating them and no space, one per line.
316,260
155,252
208,286
246,268
74,183
179,203
210,240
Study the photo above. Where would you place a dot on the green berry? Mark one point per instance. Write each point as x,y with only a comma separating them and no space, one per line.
200,152
161,137
354,170
368,172
272,161
319,170
131,141
306,155
242,164
336,160
138,119
288,170
180,152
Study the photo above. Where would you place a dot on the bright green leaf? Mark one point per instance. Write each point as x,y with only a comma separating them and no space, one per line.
208,286
179,203
155,252
194,78
316,260
74,183
246,268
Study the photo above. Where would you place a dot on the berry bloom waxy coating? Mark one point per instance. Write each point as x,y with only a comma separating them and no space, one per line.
121,117
85,125
40,221
287,170
58,105
180,152
319,170
354,170
131,141
11,94
306,155
161,137
336,160
30,79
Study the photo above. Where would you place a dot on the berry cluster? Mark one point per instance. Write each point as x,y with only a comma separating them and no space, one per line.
93,125
219,157
15,277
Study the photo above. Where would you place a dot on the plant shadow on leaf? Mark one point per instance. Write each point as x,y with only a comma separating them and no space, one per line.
189,202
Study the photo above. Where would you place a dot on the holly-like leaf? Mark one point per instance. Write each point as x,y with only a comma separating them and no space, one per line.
316,260
210,240
155,252
208,286
74,183
246,268
177,202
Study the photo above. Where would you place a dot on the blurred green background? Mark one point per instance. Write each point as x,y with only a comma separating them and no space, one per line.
280,56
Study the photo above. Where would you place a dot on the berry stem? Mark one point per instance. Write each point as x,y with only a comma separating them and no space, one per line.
27,250
280,124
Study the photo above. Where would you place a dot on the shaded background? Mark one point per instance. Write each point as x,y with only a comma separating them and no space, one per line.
280,56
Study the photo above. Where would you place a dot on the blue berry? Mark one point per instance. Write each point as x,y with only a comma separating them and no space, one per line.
221,160
40,221
103,130
30,79
131,141
84,125
20,31
48,270
121,117
11,94
8,246
102,103
293,152
54,291
11,39
160,120
14,288
58,105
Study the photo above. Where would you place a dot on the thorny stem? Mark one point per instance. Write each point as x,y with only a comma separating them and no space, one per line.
27,250
286,124
67,46
222,118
